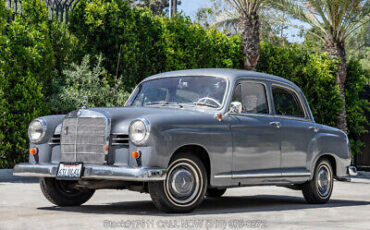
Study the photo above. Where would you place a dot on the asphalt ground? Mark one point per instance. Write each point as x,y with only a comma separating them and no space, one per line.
22,206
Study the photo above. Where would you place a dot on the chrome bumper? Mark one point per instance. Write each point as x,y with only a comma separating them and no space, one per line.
352,171
103,172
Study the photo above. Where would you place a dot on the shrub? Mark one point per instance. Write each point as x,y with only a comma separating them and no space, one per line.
356,118
85,80
26,63
135,44
315,75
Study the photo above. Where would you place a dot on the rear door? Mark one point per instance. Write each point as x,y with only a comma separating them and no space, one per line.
296,128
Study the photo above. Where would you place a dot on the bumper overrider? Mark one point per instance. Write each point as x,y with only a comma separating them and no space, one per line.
102,172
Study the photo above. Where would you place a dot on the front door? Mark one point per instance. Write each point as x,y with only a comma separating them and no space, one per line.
256,139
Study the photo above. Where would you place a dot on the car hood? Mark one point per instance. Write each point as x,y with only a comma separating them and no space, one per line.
121,117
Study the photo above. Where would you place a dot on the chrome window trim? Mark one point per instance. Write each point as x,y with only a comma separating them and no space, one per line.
269,116
266,95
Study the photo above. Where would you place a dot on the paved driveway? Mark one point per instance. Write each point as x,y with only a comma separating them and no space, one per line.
22,206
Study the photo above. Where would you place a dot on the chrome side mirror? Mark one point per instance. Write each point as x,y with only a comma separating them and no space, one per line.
236,107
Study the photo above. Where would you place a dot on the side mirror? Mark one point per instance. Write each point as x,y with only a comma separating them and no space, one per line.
236,107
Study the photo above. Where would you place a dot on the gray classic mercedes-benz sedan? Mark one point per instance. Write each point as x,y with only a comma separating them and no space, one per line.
188,134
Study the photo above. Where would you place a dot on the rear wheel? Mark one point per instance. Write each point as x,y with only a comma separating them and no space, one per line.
319,189
184,187
215,192
62,193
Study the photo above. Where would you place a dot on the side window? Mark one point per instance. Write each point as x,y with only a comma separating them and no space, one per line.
252,96
286,102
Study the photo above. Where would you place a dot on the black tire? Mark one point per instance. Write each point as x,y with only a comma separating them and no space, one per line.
314,191
164,194
215,192
57,192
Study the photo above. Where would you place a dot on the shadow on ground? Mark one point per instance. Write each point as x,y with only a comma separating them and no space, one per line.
259,203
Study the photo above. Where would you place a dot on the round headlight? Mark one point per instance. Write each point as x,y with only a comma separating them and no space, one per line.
139,131
36,130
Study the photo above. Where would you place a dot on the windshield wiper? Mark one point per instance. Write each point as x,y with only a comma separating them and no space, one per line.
205,104
166,103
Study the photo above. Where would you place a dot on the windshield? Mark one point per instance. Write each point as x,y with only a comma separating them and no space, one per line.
180,91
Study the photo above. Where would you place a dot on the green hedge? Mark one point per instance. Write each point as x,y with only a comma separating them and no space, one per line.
315,75
136,45
36,57
26,66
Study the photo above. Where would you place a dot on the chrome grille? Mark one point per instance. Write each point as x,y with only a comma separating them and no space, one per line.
120,140
83,139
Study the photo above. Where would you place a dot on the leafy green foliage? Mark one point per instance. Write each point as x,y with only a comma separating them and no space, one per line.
26,62
37,76
135,44
88,79
315,75
356,118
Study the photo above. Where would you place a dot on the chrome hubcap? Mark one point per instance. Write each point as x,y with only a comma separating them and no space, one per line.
323,181
183,184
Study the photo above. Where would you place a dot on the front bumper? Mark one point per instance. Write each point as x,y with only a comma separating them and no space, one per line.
102,172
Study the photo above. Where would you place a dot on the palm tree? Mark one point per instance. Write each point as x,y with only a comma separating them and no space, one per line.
247,15
332,21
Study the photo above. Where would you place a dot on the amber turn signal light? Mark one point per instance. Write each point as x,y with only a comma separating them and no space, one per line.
33,151
219,116
135,154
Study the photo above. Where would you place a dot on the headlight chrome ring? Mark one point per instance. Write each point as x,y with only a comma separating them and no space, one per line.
37,130
139,131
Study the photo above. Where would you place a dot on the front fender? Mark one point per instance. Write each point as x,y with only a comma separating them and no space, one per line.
215,139
45,150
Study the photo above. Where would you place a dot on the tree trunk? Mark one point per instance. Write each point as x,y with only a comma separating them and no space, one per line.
250,27
337,51
174,7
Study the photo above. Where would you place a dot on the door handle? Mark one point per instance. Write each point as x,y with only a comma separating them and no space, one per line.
314,128
275,124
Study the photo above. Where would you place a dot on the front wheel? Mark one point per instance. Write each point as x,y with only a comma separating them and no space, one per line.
319,189
184,187
62,193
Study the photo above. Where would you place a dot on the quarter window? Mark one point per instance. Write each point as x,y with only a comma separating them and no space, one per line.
252,96
286,102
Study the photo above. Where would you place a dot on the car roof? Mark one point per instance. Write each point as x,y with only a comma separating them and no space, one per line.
232,74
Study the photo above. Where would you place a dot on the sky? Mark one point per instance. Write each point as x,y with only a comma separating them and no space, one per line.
190,7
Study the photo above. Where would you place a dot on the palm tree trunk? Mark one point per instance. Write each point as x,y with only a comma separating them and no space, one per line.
250,27
337,51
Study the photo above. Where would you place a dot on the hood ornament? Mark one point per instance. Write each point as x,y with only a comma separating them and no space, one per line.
85,100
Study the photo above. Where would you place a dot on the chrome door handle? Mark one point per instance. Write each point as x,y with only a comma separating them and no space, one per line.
276,124
314,128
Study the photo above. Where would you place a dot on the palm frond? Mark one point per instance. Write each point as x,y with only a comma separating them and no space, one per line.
228,18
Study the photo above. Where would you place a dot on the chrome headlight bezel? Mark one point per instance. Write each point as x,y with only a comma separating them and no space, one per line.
146,132
32,127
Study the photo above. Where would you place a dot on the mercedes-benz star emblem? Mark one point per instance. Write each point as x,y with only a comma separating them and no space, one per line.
85,100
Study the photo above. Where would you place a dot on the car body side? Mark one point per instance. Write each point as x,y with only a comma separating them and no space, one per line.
176,130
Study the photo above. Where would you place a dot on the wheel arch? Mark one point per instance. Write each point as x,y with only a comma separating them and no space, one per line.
197,150
331,158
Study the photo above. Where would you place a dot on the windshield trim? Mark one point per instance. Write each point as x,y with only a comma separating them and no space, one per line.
134,93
